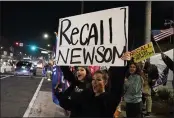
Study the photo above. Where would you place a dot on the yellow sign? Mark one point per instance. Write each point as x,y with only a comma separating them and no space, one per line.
142,53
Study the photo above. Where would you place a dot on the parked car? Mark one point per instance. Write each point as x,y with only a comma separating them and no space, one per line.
25,68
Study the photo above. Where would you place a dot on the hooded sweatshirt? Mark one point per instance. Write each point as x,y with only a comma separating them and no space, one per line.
80,100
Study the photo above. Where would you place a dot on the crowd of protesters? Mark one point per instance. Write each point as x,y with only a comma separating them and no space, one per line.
100,94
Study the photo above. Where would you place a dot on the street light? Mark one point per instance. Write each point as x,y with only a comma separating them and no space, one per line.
45,36
48,45
1,47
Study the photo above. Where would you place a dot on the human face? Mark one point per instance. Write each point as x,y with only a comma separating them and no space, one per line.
98,83
81,73
132,69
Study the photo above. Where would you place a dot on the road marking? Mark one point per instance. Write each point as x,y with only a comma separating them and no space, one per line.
6,76
27,77
38,77
27,112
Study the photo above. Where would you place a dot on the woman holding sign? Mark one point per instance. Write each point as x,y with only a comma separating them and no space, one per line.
92,100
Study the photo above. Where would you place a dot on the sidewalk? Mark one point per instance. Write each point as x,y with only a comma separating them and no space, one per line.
44,106
153,115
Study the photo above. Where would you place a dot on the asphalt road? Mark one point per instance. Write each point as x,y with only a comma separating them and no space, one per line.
16,94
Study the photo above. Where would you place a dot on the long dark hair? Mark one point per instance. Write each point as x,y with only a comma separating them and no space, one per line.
138,68
88,77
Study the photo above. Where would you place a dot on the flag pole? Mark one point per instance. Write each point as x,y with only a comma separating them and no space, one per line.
158,46
82,7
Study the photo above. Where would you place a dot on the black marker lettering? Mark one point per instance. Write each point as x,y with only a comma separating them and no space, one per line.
110,29
81,42
87,56
125,33
99,53
101,32
60,54
115,51
74,31
73,56
95,35
62,33
110,55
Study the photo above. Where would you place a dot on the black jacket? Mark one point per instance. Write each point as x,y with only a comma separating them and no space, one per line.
80,100
168,61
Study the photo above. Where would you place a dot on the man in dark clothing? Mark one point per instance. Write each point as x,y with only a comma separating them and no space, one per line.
169,63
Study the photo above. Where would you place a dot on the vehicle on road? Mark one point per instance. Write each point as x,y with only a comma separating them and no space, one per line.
25,68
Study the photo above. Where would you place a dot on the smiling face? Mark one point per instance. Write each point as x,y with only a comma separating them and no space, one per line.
132,68
81,73
98,83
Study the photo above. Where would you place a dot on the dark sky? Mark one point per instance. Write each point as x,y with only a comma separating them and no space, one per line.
27,21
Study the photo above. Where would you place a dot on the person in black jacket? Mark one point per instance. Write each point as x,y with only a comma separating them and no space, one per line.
84,100
169,63
71,99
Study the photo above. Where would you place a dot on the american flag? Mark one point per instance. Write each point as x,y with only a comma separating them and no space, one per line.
161,34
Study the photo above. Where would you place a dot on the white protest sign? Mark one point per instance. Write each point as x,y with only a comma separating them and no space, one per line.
98,38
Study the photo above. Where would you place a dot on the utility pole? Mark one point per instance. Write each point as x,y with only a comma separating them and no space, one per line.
82,7
147,36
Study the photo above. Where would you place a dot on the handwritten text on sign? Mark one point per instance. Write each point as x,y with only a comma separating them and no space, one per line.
97,38
142,53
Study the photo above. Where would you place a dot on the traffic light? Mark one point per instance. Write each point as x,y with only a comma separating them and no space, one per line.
17,43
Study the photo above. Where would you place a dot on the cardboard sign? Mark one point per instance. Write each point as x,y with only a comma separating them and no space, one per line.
142,53
97,38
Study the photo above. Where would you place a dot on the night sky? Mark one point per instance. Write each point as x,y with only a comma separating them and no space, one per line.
28,21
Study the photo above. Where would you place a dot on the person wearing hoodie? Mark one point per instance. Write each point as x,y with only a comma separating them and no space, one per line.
169,63
72,99
92,99
80,96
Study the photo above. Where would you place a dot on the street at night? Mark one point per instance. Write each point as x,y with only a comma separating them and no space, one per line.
17,93
87,59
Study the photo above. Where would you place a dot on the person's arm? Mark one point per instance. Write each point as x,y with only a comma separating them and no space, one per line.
64,97
167,61
116,78
68,75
